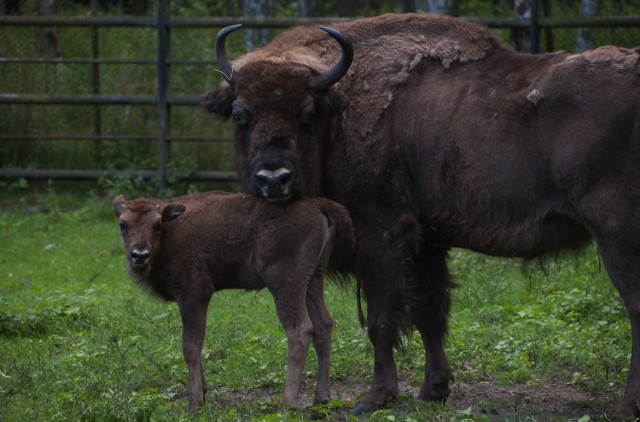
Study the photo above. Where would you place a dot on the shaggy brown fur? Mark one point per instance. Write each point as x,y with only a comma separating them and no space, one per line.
186,248
449,140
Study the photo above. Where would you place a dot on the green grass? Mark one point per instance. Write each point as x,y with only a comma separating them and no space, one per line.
79,341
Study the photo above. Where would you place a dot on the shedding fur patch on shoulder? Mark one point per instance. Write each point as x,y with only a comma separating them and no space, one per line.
622,58
386,62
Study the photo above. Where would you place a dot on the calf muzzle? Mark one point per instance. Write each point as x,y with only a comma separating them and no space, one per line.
139,257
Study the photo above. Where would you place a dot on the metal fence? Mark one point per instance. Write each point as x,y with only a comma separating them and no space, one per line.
163,83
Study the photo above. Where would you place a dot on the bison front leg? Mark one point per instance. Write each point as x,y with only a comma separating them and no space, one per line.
193,310
377,268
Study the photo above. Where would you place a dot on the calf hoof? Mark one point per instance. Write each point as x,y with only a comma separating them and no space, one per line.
363,408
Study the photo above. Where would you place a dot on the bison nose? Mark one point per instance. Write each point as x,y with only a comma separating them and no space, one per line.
275,184
139,257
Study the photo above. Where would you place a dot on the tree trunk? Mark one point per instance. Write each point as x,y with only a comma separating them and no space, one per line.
310,8
408,6
440,7
50,38
521,37
584,38
256,37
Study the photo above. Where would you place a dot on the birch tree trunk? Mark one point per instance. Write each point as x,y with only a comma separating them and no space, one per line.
50,38
440,7
521,37
310,8
584,37
256,37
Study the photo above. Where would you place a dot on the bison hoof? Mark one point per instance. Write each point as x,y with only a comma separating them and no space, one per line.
624,411
438,393
363,408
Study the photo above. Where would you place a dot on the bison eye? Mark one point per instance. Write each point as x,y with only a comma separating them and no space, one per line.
123,227
306,118
306,114
240,116
240,121
157,227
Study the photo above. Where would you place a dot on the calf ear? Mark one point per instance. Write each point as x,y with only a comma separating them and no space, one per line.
331,103
172,211
219,101
119,205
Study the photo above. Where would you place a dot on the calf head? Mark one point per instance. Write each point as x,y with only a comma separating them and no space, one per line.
282,110
141,223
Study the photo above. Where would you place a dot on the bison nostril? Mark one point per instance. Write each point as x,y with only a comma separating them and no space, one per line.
277,179
286,179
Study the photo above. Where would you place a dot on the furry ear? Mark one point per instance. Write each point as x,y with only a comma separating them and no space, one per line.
119,205
330,103
172,211
218,101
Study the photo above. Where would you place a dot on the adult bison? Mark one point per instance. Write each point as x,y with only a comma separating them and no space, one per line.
450,140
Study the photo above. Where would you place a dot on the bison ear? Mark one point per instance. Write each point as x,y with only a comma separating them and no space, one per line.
119,205
172,211
331,103
218,101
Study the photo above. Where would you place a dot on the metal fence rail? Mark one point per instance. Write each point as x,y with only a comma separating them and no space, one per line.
163,101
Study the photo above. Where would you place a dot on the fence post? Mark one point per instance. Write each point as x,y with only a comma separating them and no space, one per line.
163,83
95,76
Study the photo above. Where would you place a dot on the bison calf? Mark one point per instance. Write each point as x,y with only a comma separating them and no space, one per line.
184,249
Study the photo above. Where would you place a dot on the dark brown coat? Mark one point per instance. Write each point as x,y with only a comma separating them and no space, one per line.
184,249
450,140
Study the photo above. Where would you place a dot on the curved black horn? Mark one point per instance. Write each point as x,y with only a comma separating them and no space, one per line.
221,53
334,74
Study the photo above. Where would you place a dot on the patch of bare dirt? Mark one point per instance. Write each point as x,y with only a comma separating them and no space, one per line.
539,401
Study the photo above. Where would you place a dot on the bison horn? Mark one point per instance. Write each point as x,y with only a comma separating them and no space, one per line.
221,53
334,74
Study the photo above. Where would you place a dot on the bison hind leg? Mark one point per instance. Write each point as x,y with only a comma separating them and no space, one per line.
620,256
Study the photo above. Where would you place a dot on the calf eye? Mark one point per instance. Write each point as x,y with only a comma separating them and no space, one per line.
123,227
157,227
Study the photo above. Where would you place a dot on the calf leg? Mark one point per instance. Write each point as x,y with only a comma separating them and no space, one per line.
288,292
322,328
429,313
622,261
193,310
